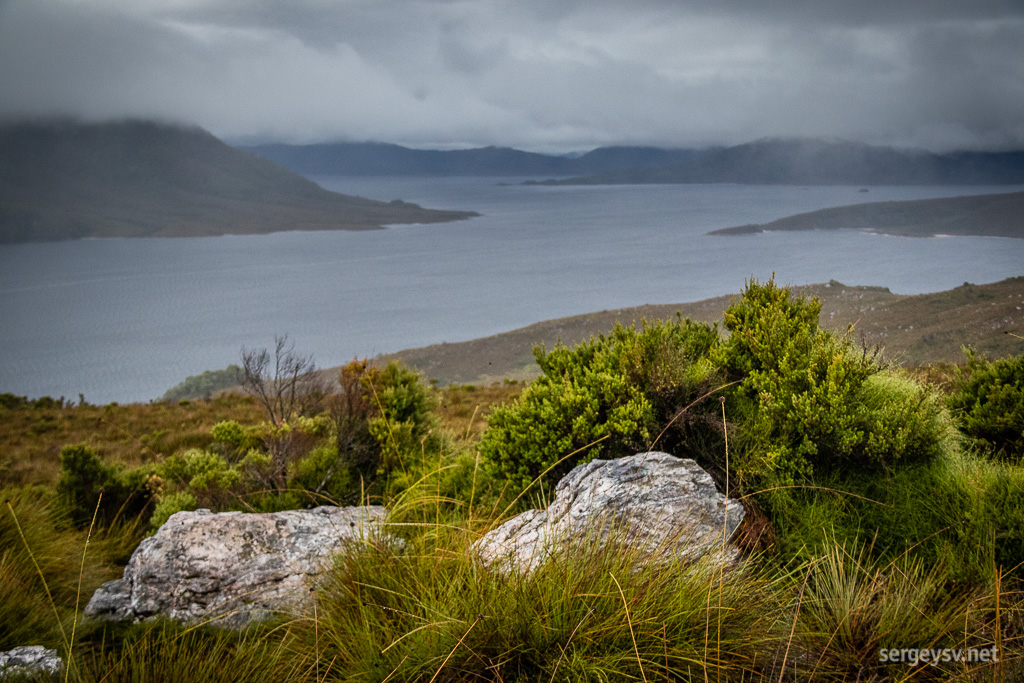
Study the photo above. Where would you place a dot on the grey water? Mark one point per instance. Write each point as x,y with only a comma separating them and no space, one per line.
125,319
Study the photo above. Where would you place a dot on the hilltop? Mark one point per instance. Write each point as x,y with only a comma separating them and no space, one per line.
913,330
990,215
65,180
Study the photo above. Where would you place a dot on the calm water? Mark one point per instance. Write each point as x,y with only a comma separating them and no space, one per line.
123,320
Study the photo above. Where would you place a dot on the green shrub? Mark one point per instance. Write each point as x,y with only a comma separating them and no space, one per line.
199,469
9,401
205,476
957,512
126,493
169,504
809,401
322,473
404,418
228,432
988,403
621,389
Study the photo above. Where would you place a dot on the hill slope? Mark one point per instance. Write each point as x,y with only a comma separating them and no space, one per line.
819,162
987,215
913,330
63,180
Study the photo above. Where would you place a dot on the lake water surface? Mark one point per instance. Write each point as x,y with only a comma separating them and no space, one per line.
125,319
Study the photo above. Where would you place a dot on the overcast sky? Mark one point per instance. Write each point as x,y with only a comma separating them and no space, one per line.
546,75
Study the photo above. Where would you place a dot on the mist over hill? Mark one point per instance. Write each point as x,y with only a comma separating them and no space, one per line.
381,159
66,180
820,162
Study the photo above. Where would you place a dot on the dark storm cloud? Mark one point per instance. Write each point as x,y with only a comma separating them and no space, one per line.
531,73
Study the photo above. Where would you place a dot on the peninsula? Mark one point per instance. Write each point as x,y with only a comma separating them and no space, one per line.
63,180
987,215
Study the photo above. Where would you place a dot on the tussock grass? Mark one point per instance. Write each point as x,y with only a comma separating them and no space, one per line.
162,651
42,574
595,612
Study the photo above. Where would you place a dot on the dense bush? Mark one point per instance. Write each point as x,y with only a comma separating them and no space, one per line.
10,401
988,403
617,390
126,493
169,504
808,400
963,514
320,473
404,418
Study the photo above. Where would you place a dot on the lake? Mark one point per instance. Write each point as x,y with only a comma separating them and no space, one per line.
125,319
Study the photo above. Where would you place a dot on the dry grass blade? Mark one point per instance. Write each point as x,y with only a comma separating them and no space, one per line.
437,673
796,617
39,571
629,621
78,592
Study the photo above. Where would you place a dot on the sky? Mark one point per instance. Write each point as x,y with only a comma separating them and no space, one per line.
543,75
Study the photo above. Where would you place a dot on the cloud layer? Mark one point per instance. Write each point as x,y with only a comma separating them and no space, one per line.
547,75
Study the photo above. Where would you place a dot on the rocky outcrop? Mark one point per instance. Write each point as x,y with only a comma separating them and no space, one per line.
663,506
30,661
231,568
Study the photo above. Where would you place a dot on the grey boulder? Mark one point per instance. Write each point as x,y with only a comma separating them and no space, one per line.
663,506
231,568
30,660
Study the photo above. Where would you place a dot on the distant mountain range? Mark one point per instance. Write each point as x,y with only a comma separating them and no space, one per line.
65,180
819,162
381,159
764,162
988,215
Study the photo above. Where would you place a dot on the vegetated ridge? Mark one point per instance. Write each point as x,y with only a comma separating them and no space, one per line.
382,159
989,215
913,330
66,180
819,162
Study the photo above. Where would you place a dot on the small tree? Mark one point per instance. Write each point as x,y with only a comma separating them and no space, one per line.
287,385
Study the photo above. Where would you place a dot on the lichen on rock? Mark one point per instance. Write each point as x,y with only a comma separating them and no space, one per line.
660,505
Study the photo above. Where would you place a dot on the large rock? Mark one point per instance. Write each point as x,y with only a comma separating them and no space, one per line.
231,567
659,504
31,661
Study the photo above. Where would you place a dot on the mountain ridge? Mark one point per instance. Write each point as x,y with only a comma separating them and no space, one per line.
769,161
809,161
387,159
